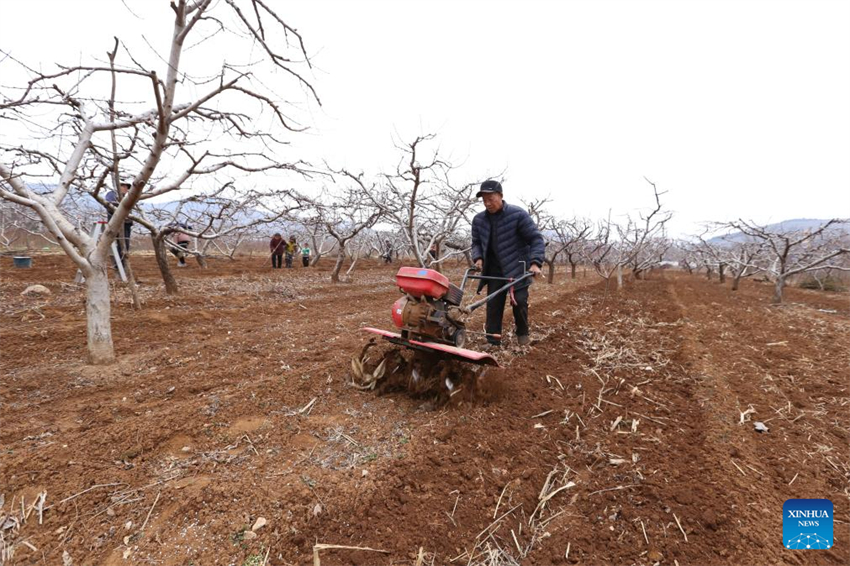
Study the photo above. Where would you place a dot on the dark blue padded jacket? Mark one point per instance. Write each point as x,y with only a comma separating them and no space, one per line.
517,239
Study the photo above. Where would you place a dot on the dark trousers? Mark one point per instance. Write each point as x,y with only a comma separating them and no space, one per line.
496,308
181,256
123,240
288,260
128,230
277,261
305,260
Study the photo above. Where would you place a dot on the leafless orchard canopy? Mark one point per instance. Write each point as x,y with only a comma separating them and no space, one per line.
202,137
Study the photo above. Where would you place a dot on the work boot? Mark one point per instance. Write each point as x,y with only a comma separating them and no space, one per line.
523,340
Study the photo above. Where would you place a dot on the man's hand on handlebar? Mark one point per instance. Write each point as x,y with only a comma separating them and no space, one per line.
478,264
535,269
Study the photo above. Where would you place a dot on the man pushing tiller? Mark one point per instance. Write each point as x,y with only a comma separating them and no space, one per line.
431,314
504,241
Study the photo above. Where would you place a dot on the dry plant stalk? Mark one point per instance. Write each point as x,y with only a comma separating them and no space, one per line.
680,527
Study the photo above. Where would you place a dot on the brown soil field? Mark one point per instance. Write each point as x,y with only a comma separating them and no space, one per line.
622,435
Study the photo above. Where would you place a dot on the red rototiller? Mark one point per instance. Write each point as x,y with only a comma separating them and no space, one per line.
431,317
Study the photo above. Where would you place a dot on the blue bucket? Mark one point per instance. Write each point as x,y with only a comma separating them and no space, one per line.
22,262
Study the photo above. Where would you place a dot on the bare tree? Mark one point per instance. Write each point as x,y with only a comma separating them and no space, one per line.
604,252
422,202
110,135
572,235
229,244
22,223
639,243
649,256
546,223
322,242
712,255
683,252
743,261
644,240
209,218
790,252
825,278
343,214
16,224
359,246
702,260
391,245
741,257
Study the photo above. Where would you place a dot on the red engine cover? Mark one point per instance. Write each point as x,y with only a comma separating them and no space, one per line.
398,309
417,281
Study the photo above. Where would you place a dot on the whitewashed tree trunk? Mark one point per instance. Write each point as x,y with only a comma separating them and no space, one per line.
777,290
98,310
619,276
351,267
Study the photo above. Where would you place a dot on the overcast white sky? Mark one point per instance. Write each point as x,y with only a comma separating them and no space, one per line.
736,108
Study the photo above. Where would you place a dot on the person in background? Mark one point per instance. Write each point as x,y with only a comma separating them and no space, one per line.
276,247
113,198
182,240
388,252
305,255
433,251
289,250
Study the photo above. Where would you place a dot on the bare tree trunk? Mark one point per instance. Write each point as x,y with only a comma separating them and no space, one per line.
721,271
619,277
232,254
98,309
736,281
340,259
550,273
317,252
202,255
777,291
438,267
708,273
572,270
354,256
171,287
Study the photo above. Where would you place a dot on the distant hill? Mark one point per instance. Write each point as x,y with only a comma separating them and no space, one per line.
793,225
